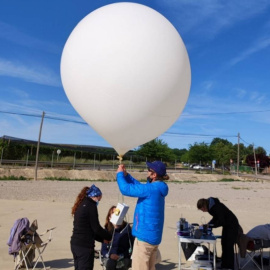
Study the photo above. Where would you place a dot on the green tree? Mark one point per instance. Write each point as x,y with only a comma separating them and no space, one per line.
260,150
250,150
219,140
243,152
223,152
246,152
3,147
200,152
185,157
179,153
156,150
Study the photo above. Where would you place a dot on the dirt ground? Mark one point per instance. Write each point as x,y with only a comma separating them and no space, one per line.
50,203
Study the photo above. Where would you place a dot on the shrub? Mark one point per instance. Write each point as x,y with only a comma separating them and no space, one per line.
12,177
228,180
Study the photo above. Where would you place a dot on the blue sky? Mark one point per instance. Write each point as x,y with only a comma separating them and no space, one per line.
228,43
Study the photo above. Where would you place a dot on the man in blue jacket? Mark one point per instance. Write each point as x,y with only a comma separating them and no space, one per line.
149,213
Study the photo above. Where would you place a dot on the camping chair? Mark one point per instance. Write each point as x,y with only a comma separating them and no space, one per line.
121,262
254,247
102,262
30,242
98,256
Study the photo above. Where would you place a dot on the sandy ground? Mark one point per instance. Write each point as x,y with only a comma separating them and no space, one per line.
50,203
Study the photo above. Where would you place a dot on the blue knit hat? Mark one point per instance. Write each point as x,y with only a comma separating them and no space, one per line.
158,167
93,191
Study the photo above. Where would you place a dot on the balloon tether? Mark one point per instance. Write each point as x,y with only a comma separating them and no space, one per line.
120,157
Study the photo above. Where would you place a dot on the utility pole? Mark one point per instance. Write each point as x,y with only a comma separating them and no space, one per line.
37,154
238,153
255,162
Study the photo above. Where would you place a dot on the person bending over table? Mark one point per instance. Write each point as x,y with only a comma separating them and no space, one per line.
222,217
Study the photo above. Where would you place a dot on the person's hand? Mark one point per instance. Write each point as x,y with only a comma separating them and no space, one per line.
122,168
106,241
114,257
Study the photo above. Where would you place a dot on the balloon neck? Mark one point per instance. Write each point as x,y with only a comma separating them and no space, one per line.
120,157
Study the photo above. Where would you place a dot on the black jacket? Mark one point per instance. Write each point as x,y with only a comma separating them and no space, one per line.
222,215
86,227
121,244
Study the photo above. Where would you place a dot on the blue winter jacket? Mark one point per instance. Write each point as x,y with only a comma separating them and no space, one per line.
149,212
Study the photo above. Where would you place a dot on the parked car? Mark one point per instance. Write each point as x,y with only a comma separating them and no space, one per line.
192,165
225,168
198,167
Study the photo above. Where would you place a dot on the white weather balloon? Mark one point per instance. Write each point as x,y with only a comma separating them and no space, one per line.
126,71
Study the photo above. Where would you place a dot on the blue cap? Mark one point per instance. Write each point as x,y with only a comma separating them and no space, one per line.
158,167
93,191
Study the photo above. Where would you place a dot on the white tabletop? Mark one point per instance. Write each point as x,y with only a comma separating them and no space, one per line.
204,239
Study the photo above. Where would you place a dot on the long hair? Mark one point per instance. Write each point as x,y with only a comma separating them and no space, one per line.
78,200
165,177
108,225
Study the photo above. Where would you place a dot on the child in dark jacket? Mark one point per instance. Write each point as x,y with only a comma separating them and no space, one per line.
116,255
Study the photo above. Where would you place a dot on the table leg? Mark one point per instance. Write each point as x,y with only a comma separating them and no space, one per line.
214,257
179,254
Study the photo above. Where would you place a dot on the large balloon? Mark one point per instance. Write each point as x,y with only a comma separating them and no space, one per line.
126,71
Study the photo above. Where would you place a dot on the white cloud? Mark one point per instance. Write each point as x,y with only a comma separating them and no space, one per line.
261,44
37,75
206,108
207,18
14,35
240,93
18,93
206,87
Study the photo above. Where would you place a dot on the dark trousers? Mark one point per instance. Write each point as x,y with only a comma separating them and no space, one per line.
83,258
229,236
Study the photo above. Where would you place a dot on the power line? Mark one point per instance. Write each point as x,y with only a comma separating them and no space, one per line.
183,115
199,135
84,123
253,144
246,112
245,141
165,134
23,114
66,120
46,116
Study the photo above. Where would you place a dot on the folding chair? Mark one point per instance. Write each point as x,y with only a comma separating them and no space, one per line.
124,261
254,247
30,242
98,256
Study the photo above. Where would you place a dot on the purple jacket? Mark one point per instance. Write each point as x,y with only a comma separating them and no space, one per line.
20,227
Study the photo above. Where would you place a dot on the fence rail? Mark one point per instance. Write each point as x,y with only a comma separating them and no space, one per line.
79,166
